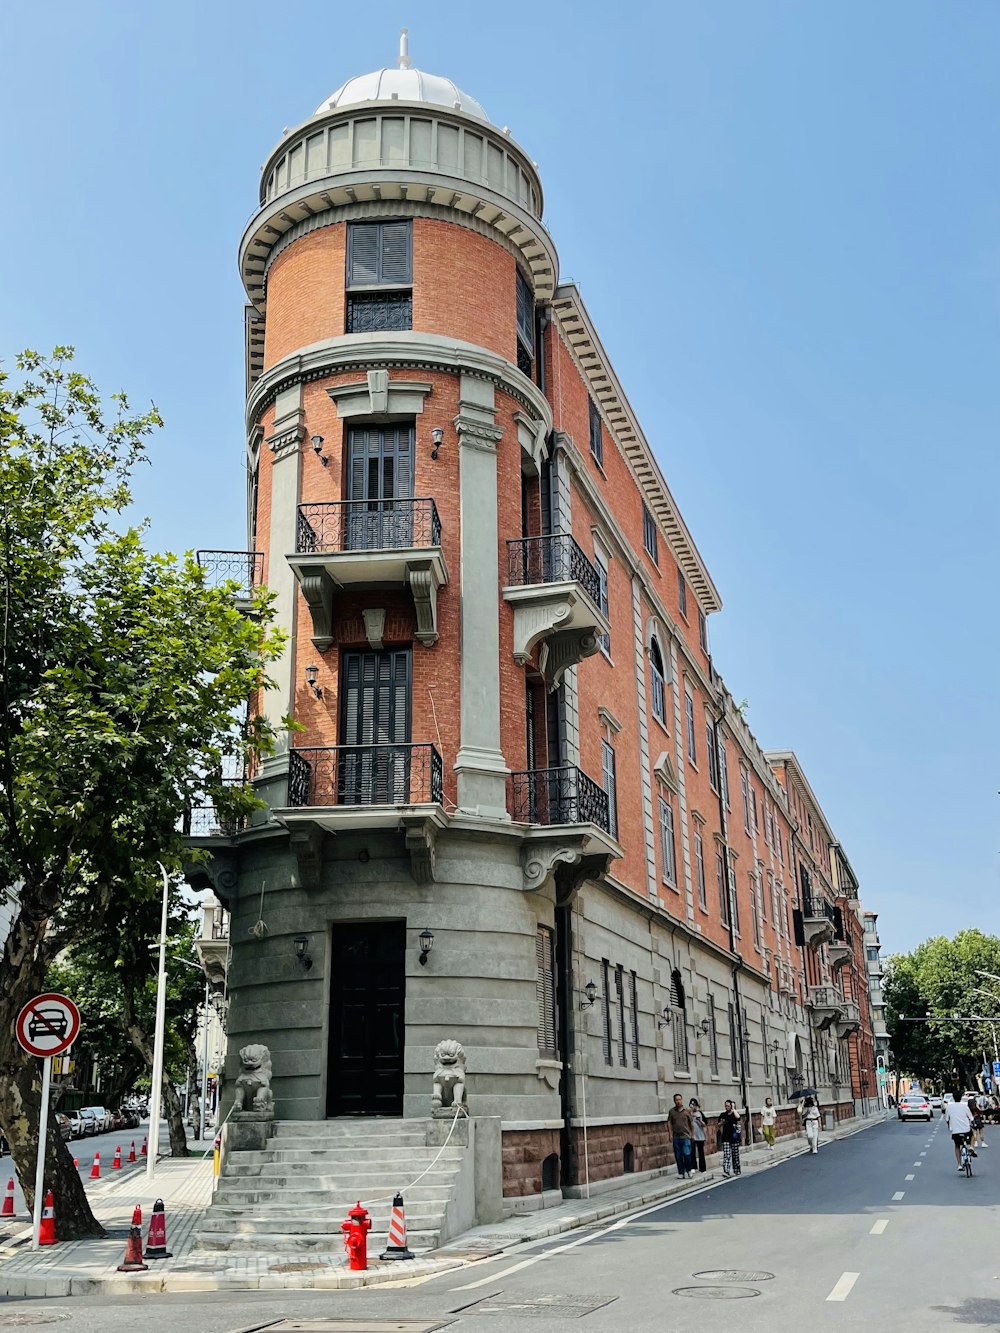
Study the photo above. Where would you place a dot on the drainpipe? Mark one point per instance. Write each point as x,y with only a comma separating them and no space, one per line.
567,1036
730,891
802,947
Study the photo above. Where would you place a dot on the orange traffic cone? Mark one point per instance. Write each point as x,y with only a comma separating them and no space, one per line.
76,1163
132,1263
156,1241
131,1152
8,1200
116,1164
47,1226
137,1215
145,1150
95,1170
396,1249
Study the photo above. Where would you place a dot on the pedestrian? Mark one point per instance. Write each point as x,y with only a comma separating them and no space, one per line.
729,1137
768,1120
682,1132
811,1121
700,1132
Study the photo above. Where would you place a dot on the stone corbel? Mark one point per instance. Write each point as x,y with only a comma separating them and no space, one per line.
220,874
561,651
317,589
421,837
424,586
477,434
535,620
374,618
563,867
532,436
306,843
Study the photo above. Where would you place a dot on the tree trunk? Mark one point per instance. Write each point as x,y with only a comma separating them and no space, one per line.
175,1119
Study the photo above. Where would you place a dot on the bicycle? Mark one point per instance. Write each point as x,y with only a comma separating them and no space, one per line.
966,1156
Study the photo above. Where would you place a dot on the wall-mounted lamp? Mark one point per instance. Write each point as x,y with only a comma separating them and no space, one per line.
589,996
705,1026
317,444
301,943
437,435
312,675
426,941
665,1017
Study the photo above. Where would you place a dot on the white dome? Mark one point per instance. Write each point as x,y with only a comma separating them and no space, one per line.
404,84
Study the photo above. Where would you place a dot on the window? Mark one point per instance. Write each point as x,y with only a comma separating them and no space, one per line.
720,871
379,257
375,725
713,1035
781,843
754,912
609,1041
689,710
745,793
682,593
649,533
767,1054
873,954
724,771
635,1022
658,683
713,758
545,991
699,871
620,994
678,1003
596,434
775,903
610,786
734,1050
753,803
734,898
601,565
525,302
668,850
702,630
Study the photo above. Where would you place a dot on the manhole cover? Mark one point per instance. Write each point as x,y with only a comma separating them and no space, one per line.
549,1306
732,1275
32,1318
716,1293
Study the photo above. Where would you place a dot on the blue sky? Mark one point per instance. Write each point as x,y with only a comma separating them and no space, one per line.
784,216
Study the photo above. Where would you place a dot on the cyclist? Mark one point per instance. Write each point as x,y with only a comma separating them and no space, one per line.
958,1116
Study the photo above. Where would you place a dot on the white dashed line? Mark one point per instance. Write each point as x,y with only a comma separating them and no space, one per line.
924,1153
843,1288
911,1176
898,1195
918,1163
879,1226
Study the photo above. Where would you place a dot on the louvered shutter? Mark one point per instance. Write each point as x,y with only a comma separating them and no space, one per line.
525,314
363,254
395,253
545,991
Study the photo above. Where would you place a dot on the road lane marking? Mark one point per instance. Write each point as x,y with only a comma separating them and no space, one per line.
879,1226
898,1195
924,1153
843,1288
918,1163
911,1176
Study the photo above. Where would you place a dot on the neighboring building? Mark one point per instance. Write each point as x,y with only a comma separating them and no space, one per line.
523,810
873,962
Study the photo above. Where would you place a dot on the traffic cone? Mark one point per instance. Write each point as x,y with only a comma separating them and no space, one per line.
131,1152
47,1226
8,1200
145,1150
132,1263
95,1170
396,1249
156,1241
116,1164
137,1215
76,1163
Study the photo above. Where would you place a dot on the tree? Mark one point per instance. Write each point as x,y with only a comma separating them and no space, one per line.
123,679
940,978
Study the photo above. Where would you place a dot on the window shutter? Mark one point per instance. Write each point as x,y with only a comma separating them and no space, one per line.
395,253
363,254
525,313
545,990
404,464
400,732
596,440
352,697
357,443
606,1001
798,931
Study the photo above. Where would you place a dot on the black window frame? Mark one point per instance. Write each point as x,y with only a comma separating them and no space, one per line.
620,996
650,541
692,743
702,630
391,294
713,1036
596,434
657,682
635,1021
524,313
668,842
720,875
699,864
609,782
682,593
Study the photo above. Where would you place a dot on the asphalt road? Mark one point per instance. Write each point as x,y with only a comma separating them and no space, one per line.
83,1150
878,1230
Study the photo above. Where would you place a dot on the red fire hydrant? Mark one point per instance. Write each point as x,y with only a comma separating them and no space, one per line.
356,1228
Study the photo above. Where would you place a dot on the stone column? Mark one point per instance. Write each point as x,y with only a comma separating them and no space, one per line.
482,773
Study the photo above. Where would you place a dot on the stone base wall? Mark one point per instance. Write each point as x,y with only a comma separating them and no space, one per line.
606,1150
524,1151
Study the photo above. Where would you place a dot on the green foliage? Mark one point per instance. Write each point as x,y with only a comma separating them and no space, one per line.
940,978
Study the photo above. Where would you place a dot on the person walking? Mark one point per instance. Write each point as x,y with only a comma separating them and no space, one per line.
729,1137
682,1132
768,1121
811,1121
700,1125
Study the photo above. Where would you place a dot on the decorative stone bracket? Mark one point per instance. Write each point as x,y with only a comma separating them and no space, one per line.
220,874
563,863
421,843
838,953
561,618
306,844
320,576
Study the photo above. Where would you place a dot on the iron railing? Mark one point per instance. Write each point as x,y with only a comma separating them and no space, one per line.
557,558
243,567
561,795
815,907
365,775
210,819
367,525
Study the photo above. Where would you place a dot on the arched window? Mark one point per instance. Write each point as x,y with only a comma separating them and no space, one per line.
659,684
550,1172
628,1159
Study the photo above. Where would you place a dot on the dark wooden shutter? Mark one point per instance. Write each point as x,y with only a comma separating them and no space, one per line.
596,440
545,991
395,253
525,314
403,448
798,930
620,994
838,923
363,254
609,1041
635,1023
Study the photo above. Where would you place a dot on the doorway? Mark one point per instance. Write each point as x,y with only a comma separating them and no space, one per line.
367,1019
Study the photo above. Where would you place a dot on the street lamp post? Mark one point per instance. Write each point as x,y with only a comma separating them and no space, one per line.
156,1088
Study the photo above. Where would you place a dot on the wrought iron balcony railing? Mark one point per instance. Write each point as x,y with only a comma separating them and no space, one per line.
367,525
365,775
243,567
557,558
211,820
562,795
816,907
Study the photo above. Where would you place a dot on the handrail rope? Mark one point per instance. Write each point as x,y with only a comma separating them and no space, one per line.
459,1109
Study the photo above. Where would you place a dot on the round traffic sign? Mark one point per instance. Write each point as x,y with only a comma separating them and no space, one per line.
48,1024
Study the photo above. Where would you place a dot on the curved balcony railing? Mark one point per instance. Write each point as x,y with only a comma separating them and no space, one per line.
366,525
243,567
556,558
815,907
563,795
365,775
210,819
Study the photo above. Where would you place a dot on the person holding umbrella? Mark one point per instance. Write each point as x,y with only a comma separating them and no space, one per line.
729,1137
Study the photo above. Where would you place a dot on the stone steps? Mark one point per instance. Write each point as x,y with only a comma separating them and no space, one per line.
291,1222
306,1196
377,1158
264,1242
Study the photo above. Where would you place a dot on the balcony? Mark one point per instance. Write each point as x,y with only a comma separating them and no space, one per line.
365,775
562,795
210,819
555,592
826,1005
850,1018
244,568
840,951
212,944
369,544
819,921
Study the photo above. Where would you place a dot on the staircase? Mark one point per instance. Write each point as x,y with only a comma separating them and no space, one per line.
293,1195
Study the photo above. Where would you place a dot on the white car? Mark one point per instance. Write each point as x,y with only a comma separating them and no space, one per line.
101,1116
946,1100
936,1101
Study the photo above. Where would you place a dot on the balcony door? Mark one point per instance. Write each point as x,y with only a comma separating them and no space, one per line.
380,488
367,999
374,766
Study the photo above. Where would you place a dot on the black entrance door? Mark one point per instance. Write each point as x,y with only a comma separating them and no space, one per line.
367,1003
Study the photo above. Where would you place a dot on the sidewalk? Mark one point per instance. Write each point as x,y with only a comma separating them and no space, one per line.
87,1267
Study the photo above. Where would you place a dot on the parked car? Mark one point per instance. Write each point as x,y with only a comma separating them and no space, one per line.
914,1106
76,1124
102,1117
89,1121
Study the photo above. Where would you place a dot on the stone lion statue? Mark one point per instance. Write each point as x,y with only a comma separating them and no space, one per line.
449,1075
253,1086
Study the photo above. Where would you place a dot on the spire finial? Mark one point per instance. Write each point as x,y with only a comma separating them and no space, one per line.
404,48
